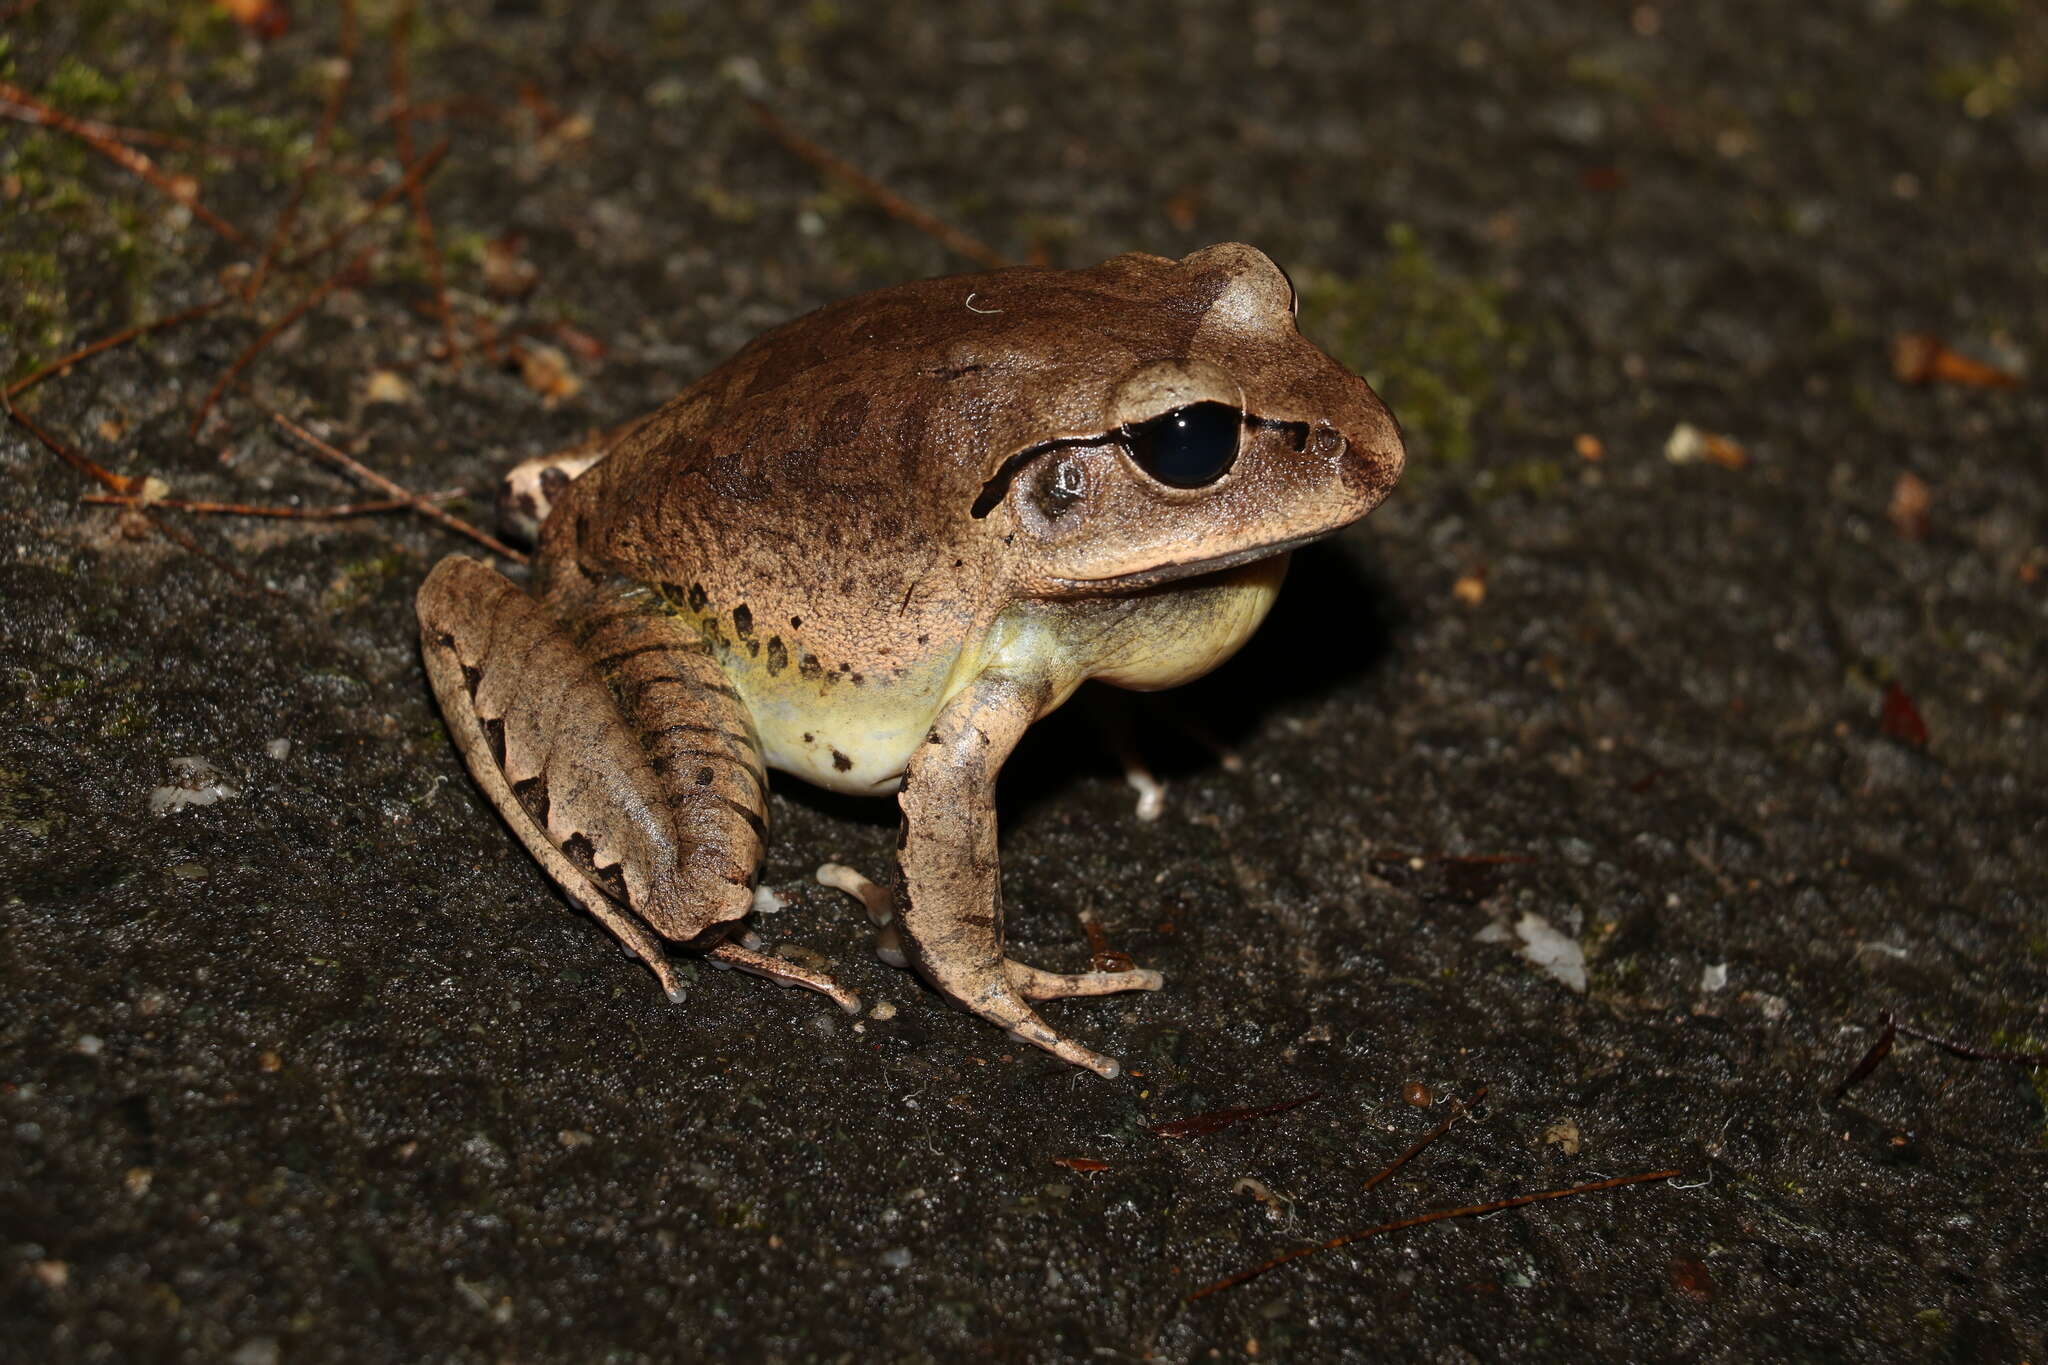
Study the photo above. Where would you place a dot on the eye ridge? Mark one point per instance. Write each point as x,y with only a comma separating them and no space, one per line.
1189,447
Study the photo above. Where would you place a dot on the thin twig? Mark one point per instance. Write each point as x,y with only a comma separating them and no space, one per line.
420,171
1971,1053
292,315
423,222
1470,1210
1878,1051
1458,1109
65,362
120,483
322,140
244,509
378,481
18,104
186,543
880,195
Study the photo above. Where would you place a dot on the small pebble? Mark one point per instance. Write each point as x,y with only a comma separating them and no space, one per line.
1417,1094
89,1044
279,749
896,1258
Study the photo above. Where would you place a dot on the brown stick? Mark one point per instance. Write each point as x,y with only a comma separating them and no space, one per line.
18,104
423,222
1230,1281
880,195
243,509
292,315
316,155
186,543
415,500
419,172
65,362
120,483
1458,1108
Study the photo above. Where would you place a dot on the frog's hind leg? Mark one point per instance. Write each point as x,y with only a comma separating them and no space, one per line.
1033,984
619,755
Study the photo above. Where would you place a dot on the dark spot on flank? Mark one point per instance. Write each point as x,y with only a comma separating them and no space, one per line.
796,623
471,677
845,667
697,597
840,762
552,482
494,735
703,777
958,563
533,794
753,649
924,639
858,680
810,739
810,667
743,621
778,655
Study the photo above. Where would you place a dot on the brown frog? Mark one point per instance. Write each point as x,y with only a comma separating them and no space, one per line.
869,550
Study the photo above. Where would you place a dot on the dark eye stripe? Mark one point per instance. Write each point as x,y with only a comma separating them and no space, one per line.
998,485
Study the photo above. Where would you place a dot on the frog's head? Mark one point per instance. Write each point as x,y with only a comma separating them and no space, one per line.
1201,431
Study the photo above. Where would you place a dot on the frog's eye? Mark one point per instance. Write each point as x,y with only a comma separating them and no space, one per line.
1188,447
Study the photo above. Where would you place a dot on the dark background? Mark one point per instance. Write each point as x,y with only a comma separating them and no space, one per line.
327,1071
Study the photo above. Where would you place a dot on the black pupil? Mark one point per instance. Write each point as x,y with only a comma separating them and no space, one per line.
1188,447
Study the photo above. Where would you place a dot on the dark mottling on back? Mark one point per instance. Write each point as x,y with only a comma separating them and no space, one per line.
778,655
843,422
698,597
743,621
810,667
796,623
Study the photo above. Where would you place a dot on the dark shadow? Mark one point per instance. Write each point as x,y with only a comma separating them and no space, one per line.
1336,619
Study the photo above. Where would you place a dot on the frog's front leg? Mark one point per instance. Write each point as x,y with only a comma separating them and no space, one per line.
949,893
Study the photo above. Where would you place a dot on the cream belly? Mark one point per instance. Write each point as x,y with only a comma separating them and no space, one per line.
858,739
855,740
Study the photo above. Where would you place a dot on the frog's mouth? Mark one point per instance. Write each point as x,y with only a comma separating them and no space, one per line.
1176,571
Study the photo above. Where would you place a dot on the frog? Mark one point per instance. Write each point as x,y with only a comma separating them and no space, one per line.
869,551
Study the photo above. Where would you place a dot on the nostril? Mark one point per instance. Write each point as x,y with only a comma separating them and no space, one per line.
1327,444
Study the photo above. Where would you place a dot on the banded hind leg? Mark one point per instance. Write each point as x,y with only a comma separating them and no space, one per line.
616,752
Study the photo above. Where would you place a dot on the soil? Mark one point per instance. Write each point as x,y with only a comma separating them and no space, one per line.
1704,638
